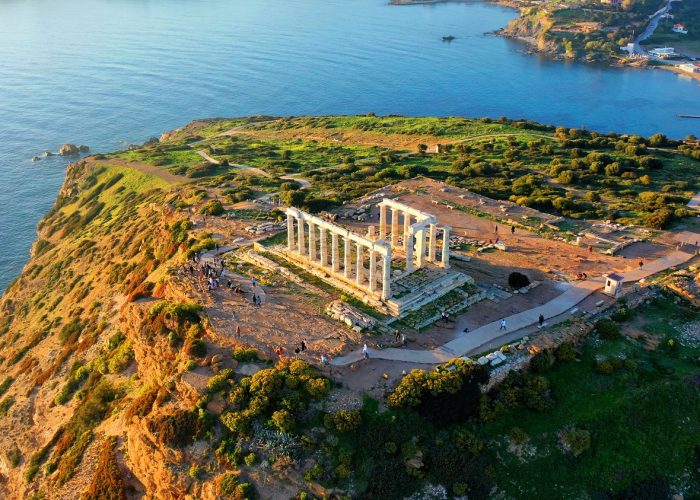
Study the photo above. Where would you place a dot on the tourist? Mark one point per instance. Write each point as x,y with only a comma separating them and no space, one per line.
254,281
641,264
233,315
403,340
590,249
447,317
512,229
503,324
365,351
255,299
238,331
303,345
397,335
541,320
324,360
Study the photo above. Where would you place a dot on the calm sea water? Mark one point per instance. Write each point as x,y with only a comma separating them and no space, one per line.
103,73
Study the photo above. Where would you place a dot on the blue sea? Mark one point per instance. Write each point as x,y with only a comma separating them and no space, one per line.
109,72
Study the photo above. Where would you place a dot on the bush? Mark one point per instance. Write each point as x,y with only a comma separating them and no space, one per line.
518,280
212,207
518,436
244,354
604,367
542,361
607,329
659,219
577,441
565,353
283,420
343,420
250,459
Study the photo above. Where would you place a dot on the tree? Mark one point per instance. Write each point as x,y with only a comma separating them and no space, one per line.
518,280
293,198
658,140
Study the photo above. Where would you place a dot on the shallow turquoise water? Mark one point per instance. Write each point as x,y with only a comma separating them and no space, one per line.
103,73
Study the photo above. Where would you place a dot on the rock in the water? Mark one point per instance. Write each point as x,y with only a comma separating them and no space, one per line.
48,153
83,148
69,150
35,158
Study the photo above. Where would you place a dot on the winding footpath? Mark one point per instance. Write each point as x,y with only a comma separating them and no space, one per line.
474,341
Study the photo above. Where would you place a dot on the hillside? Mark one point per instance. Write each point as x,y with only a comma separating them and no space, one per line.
123,375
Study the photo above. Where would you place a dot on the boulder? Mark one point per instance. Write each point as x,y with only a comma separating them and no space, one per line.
69,150
48,153
35,158
83,148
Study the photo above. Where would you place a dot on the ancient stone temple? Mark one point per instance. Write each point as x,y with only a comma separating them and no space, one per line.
378,268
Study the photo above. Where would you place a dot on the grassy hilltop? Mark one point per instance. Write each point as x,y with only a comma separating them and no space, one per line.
115,380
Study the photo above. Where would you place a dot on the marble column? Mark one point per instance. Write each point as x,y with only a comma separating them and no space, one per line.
386,277
394,227
347,266
360,275
446,247
300,234
335,263
420,247
312,241
382,222
323,245
406,231
432,243
409,252
290,233
372,271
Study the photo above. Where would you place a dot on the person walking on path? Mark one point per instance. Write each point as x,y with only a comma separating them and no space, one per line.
512,229
365,352
503,324
641,264
397,335
541,320
303,345
238,331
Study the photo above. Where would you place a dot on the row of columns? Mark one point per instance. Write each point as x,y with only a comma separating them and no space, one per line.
308,249
414,237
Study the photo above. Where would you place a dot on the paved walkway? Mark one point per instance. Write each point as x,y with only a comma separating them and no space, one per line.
474,340
695,202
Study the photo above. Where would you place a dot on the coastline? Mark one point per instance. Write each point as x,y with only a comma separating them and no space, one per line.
533,46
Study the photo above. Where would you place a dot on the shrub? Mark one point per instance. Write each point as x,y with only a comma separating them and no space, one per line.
447,394
565,353
542,361
244,354
220,381
518,280
607,329
318,387
195,472
250,459
577,441
283,421
176,429
518,436
659,219
212,207
605,367
343,420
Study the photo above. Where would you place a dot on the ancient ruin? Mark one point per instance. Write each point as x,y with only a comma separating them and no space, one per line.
406,243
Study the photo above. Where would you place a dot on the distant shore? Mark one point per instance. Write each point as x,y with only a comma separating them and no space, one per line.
532,45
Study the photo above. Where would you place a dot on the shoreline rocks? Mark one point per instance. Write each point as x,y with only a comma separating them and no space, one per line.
69,150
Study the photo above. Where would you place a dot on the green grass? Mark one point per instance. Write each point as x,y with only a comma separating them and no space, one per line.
643,423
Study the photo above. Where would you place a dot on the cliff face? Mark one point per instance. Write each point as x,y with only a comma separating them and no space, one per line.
76,342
